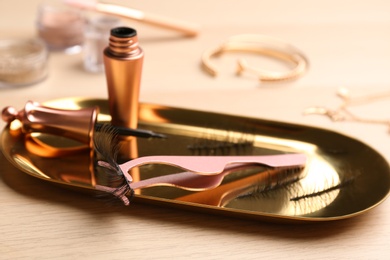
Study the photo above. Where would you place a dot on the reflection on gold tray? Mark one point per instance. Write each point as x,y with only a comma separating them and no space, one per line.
344,177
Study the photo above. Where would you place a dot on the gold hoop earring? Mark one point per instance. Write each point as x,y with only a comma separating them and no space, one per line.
262,45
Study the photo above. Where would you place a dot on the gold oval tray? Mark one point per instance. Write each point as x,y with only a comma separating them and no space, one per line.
344,176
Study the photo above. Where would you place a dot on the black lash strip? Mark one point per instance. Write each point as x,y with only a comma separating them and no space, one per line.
226,146
325,191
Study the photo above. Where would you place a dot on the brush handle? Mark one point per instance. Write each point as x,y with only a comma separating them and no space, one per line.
185,28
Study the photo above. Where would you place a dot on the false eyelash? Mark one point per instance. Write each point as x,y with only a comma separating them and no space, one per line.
314,200
289,177
338,186
229,144
107,171
301,199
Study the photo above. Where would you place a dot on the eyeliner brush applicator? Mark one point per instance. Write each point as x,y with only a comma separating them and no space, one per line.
125,131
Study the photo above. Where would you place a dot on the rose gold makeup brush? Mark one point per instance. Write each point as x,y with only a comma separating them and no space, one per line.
138,15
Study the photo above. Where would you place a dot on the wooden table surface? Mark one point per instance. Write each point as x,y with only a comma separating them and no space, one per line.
347,44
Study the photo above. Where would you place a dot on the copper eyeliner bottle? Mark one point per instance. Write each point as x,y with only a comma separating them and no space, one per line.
123,60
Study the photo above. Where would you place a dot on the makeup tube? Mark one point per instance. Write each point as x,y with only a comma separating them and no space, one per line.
123,60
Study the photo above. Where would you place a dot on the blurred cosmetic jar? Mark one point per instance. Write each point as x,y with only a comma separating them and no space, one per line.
97,36
61,27
22,62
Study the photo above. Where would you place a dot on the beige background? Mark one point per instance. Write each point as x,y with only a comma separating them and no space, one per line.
347,43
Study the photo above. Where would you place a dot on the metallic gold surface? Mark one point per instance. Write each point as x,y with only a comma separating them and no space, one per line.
344,177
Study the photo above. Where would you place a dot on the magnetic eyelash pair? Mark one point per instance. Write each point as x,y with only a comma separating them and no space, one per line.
201,173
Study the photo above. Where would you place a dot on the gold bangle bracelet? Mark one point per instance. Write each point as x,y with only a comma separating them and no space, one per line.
262,45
